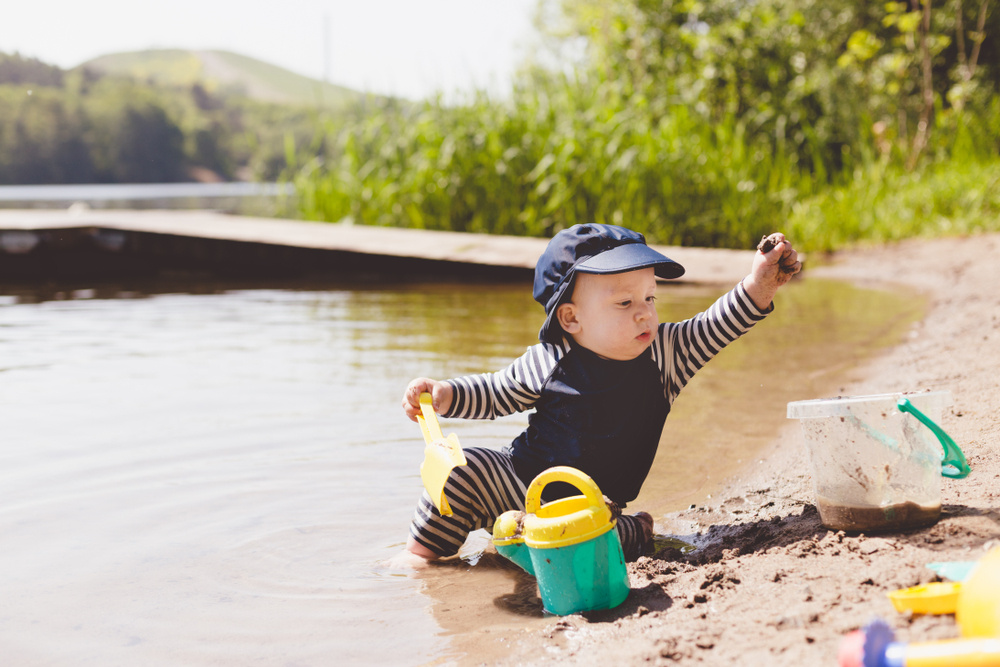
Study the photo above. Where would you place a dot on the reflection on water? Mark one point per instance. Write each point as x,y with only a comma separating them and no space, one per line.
267,199
211,478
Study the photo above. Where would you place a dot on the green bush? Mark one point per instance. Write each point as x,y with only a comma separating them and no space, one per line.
699,124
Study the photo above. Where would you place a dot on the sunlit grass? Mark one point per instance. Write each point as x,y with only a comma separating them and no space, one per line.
564,151
888,204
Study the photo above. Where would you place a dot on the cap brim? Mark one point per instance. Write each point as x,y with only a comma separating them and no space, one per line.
630,257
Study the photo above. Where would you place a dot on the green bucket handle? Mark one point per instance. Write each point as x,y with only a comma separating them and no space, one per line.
953,463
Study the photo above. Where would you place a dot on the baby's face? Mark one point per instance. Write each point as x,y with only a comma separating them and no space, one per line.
613,315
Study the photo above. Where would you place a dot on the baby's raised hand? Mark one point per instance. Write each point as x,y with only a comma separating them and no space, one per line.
774,264
776,260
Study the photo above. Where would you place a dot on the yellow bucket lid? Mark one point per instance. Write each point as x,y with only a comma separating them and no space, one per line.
938,597
566,521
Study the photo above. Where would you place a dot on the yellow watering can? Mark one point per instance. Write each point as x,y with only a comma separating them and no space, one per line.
441,455
570,545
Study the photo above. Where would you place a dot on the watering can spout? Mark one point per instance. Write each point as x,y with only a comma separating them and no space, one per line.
508,538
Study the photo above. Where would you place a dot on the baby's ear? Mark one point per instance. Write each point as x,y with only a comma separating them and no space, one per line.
566,315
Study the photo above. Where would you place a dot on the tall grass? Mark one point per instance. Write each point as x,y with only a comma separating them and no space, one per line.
884,203
556,155
566,150
955,192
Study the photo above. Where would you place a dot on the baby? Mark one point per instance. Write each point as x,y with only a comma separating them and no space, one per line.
601,381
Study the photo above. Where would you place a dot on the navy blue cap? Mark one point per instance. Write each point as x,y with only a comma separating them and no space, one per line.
590,248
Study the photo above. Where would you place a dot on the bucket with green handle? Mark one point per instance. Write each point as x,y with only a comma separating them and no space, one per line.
877,460
570,545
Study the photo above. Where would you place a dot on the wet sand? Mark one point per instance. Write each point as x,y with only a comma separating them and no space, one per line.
768,584
873,519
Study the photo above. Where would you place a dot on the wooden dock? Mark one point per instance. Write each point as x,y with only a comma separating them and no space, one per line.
66,244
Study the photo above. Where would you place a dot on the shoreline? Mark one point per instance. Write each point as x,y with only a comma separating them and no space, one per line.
46,243
769,585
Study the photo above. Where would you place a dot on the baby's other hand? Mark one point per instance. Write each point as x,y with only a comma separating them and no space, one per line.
441,395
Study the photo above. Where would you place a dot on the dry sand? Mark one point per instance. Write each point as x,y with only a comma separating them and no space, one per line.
769,584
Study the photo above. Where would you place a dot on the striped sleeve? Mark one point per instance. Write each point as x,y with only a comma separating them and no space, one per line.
683,348
513,389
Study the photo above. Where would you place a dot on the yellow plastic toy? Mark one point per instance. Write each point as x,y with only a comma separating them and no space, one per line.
978,610
441,455
976,605
934,598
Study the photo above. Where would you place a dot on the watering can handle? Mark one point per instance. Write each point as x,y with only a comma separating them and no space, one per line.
582,481
953,463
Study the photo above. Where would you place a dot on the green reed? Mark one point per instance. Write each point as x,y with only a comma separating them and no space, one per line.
565,150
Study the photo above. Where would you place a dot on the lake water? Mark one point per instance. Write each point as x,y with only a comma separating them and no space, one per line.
210,474
265,199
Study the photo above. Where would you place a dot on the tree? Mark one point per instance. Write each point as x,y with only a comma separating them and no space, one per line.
911,67
17,70
148,148
810,77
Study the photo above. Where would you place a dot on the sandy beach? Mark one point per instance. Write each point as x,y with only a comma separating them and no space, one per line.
769,584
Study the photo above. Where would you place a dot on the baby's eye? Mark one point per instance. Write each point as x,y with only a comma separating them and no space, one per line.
650,299
626,303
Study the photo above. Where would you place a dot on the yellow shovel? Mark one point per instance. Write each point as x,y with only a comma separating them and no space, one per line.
440,455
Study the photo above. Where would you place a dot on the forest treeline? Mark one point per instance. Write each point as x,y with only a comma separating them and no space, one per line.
80,126
700,123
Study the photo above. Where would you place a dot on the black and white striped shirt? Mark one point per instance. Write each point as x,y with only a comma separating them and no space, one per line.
680,349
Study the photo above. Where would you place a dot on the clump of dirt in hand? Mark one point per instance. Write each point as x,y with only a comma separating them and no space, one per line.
768,243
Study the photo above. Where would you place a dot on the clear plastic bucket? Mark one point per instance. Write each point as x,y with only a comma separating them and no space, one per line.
874,467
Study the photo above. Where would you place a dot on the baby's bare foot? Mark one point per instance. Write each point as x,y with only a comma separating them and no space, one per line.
404,561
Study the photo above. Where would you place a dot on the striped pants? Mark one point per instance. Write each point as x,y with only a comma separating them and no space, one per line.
480,492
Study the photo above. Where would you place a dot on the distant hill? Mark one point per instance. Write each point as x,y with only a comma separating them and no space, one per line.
224,71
